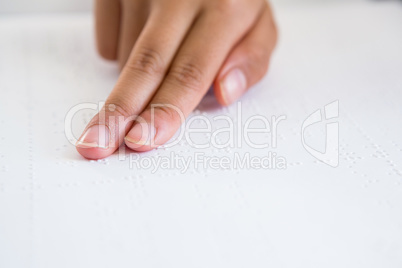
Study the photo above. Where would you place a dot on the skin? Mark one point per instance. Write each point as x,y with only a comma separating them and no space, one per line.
170,52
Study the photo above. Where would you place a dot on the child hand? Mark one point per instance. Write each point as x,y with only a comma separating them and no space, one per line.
170,52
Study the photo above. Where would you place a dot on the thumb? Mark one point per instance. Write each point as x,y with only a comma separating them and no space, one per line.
248,61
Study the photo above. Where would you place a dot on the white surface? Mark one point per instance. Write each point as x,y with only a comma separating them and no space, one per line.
44,6
59,210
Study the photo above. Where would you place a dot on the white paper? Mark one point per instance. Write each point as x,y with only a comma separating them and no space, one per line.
60,210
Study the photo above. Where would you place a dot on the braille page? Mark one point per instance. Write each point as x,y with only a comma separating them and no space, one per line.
329,193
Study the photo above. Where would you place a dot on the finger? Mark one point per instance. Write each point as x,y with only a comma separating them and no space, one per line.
189,78
248,61
134,16
107,23
141,76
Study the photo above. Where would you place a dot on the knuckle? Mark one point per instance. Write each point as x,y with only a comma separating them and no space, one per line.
259,54
111,114
167,113
227,6
147,61
259,59
187,75
119,107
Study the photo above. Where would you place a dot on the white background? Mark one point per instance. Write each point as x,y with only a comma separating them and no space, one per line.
60,210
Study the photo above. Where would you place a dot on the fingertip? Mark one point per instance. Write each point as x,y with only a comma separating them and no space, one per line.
138,147
94,153
230,86
95,142
159,126
141,137
218,93
248,61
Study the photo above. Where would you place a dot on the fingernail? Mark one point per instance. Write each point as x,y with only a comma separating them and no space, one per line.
233,85
96,136
141,134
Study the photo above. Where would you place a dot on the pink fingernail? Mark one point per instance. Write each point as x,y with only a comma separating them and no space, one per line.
141,134
96,136
233,85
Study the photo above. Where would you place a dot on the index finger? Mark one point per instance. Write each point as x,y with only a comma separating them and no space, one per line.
141,76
